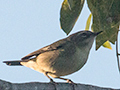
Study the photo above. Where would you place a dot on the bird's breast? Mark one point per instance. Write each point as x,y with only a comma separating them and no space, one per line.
68,64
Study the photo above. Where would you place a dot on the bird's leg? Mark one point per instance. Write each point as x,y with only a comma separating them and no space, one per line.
51,80
46,74
68,80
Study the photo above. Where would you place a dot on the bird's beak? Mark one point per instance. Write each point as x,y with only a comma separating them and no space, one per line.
98,33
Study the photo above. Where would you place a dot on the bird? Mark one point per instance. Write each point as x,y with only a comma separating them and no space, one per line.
61,58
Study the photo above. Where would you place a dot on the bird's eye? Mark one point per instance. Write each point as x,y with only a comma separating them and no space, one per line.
84,35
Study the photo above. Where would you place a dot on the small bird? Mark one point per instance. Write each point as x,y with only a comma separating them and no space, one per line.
60,58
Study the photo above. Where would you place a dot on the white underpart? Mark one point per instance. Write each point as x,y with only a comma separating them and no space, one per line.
31,64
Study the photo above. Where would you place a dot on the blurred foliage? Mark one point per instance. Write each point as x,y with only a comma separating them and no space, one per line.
69,14
88,22
107,43
106,18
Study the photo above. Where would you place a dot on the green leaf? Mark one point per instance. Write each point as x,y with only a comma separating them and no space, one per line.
70,4
88,22
69,14
106,18
107,45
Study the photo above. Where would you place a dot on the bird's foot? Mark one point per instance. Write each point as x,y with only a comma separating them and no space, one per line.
70,81
51,81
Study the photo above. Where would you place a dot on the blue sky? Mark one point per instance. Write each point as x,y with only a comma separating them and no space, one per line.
27,25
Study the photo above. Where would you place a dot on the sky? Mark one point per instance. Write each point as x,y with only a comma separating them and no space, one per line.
27,25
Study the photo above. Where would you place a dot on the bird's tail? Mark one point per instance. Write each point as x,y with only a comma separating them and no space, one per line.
13,63
18,62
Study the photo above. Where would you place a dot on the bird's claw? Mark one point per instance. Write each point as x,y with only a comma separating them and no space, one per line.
70,81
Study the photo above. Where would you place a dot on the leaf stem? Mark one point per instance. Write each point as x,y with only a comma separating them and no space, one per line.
117,54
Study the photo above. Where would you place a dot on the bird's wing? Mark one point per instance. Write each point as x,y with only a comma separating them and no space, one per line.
54,46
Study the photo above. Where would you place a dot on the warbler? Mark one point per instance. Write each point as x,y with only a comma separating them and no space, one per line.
60,58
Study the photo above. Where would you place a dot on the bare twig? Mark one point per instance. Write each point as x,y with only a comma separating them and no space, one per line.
117,54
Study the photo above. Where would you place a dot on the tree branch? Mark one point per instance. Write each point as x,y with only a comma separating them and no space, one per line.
4,85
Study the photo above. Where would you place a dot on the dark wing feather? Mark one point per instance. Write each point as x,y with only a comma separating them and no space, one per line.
17,62
12,63
51,47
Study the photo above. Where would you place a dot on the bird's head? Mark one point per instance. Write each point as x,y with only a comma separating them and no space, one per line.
83,38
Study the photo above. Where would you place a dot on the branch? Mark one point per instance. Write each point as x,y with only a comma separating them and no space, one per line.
117,54
4,85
